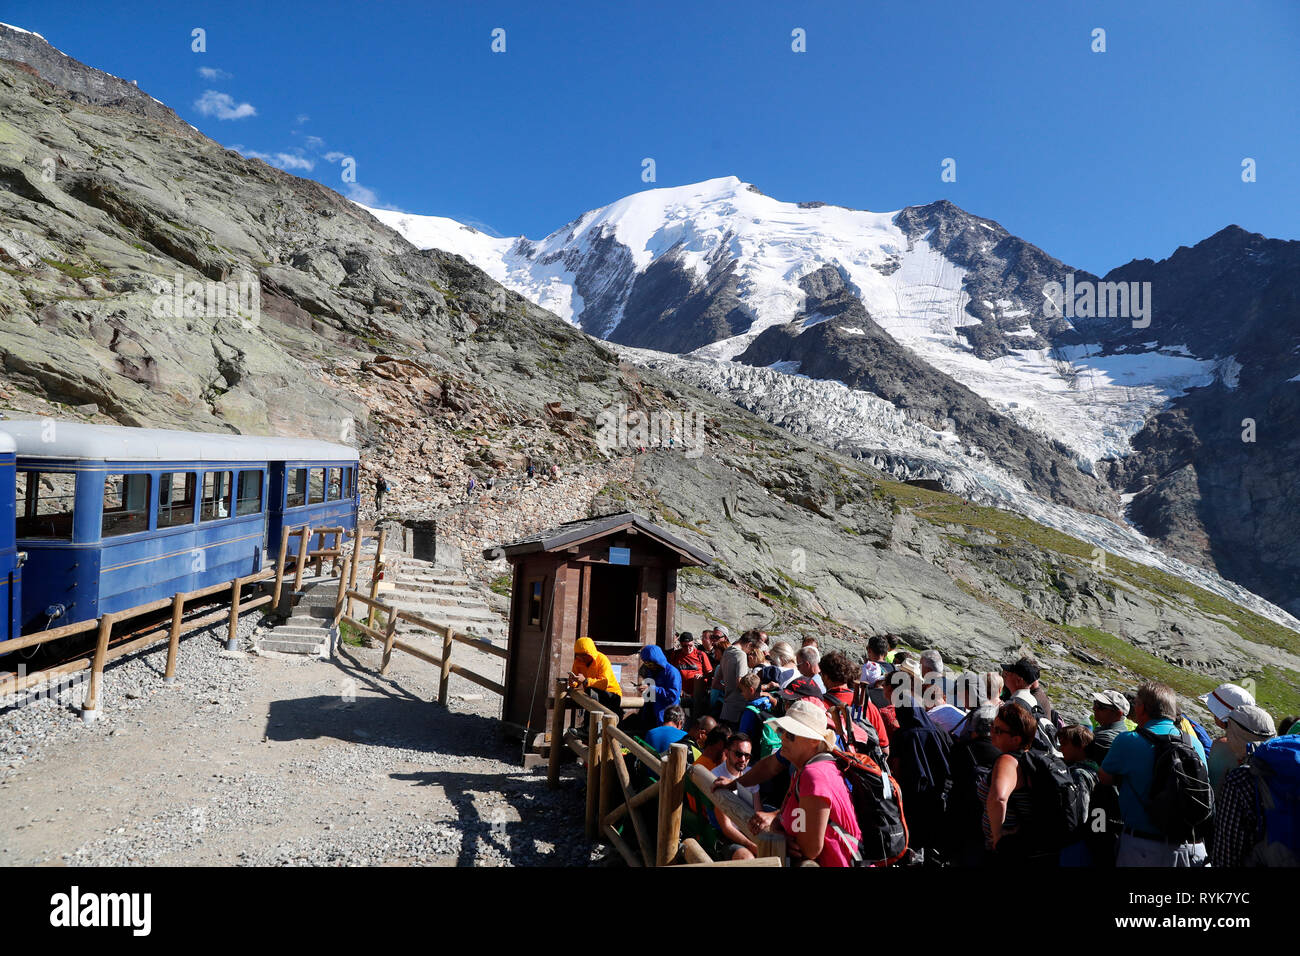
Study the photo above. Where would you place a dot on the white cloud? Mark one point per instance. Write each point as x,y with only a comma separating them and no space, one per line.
359,193
289,161
279,160
302,118
335,156
314,142
223,106
212,73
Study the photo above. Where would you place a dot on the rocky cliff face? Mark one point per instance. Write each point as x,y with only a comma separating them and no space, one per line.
439,372
1213,475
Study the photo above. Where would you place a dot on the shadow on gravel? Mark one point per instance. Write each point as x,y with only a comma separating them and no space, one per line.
548,831
403,723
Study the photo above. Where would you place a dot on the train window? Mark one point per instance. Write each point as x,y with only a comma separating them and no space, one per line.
248,497
175,498
349,483
44,503
216,495
335,484
126,504
296,494
316,486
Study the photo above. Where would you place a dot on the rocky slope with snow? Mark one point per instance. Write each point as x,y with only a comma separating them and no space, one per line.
955,321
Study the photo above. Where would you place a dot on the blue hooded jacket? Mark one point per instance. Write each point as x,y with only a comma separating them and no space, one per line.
668,681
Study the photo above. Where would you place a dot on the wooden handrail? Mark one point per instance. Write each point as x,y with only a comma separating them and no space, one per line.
40,637
652,760
479,643
372,602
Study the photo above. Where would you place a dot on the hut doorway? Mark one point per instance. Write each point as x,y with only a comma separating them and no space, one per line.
614,609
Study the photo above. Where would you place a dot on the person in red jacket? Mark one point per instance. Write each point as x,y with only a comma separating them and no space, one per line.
692,662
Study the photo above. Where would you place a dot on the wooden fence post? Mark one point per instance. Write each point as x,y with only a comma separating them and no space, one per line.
279,569
607,722
557,734
232,639
174,638
595,752
304,535
444,679
389,636
343,587
375,573
90,706
352,574
672,790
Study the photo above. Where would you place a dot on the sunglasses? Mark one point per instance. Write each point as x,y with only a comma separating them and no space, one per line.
739,757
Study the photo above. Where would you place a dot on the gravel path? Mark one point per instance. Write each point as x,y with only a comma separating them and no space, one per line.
279,761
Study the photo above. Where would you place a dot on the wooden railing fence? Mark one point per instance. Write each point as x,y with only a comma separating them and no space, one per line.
343,614
605,751
104,651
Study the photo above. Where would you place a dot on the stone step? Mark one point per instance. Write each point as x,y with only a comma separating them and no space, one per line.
459,618
495,635
292,646
473,628
434,600
449,590
297,631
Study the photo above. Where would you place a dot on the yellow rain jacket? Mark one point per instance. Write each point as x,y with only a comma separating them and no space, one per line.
600,674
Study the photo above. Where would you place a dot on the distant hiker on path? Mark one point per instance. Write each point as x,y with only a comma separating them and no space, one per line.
381,489
469,488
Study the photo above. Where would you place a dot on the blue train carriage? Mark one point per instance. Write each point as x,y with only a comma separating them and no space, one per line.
314,483
10,558
112,518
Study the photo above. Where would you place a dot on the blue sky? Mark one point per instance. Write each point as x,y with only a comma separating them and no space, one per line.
1096,157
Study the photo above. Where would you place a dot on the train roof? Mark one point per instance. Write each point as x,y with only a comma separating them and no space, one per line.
47,438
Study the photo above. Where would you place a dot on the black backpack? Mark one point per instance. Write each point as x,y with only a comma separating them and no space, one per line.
1046,734
1060,804
1181,801
877,807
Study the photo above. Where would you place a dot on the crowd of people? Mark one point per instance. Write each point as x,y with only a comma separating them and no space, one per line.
895,760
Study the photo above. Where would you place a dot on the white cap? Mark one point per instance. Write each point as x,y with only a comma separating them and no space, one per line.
1226,698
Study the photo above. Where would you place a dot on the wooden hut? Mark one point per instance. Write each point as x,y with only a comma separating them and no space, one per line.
611,578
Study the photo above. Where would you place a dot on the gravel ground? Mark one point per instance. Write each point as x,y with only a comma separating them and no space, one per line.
279,761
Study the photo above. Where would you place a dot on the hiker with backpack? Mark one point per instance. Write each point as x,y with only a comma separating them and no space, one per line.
970,761
1164,785
918,758
1032,804
1076,741
1021,678
1258,819
381,489
758,707
868,727
817,817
